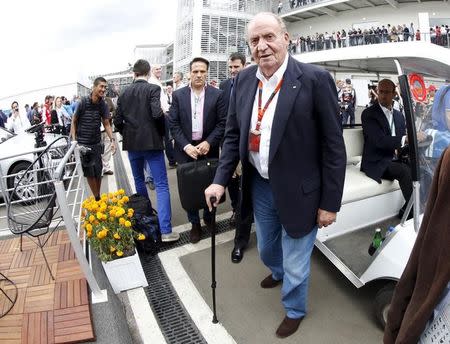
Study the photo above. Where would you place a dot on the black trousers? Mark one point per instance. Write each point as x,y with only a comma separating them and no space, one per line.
243,226
168,144
401,172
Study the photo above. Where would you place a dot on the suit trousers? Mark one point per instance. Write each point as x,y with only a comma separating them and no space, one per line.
287,258
401,172
243,225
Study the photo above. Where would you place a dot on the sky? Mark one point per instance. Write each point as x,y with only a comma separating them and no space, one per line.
46,42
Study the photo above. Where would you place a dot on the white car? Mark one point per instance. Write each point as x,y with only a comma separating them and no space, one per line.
12,162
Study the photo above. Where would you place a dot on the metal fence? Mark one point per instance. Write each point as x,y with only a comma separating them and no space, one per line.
64,177
313,43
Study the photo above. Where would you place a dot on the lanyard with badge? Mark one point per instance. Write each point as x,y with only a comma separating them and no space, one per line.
255,134
196,122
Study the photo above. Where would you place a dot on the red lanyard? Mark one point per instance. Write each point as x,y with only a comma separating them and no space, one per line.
261,112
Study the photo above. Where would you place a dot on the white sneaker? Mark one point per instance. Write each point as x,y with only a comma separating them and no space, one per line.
169,237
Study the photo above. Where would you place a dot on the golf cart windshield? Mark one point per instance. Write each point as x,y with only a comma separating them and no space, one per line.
432,118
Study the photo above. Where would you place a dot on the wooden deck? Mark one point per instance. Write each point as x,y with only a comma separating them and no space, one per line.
46,311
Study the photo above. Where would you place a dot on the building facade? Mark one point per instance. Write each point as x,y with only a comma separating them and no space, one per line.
213,29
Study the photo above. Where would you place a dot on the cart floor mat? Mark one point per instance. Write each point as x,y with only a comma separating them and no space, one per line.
351,248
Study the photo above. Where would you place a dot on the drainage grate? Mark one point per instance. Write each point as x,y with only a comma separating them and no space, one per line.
175,322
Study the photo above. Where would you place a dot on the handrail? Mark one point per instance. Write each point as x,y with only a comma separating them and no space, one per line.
62,164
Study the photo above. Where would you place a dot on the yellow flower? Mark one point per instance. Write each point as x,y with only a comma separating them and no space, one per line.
111,219
112,212
112,249
119,253
89,234
99,215
122,221
141,237
94,206
121,191
130,212
89,227
114,199
116,236
125,199
127,224
101,234
110,195
91,218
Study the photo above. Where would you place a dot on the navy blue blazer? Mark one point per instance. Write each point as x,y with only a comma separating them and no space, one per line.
307,152
180,121
379,144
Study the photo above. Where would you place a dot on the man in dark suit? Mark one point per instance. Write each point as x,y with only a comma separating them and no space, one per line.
197,122
384,132
283,126
137,118
236,63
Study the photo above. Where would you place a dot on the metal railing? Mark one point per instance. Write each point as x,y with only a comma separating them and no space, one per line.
66,175
307,44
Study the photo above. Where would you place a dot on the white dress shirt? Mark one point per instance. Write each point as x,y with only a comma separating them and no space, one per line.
17,124
390,118
163,99
261,159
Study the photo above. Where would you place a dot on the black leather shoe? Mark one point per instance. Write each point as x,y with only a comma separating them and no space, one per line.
237,254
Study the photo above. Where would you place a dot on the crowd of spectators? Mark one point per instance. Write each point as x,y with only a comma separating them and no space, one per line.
55,112
294,4
439,35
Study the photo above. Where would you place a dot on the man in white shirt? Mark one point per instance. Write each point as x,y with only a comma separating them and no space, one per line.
384,131
155,78
197,122
17,122
177,80
282,125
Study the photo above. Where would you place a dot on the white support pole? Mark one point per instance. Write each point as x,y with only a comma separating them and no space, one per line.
98,295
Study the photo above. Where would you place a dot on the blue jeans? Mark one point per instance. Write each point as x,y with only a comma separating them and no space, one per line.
155,160
148,174
287,258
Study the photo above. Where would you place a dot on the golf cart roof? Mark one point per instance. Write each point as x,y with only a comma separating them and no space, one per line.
418,57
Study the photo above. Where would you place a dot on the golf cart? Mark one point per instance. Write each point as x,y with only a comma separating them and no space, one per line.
367,205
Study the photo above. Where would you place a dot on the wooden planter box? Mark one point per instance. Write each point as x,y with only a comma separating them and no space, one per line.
125,273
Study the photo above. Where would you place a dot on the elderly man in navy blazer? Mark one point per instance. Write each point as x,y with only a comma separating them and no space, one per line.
283,125
384,130
197,122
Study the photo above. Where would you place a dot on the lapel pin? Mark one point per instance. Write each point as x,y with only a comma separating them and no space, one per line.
294,86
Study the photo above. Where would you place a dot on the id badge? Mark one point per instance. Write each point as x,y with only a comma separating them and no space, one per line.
196,124
254,140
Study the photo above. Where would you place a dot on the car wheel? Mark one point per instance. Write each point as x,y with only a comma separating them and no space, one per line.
27,189
383,302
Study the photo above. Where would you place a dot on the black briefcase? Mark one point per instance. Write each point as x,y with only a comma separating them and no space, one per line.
193,178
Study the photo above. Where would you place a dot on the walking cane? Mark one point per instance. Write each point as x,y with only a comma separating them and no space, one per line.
213,258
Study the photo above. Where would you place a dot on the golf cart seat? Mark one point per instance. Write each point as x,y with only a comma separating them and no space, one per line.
357,185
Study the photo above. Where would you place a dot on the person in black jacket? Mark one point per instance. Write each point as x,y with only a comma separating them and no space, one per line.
197,122
384,130
138,119
236,63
